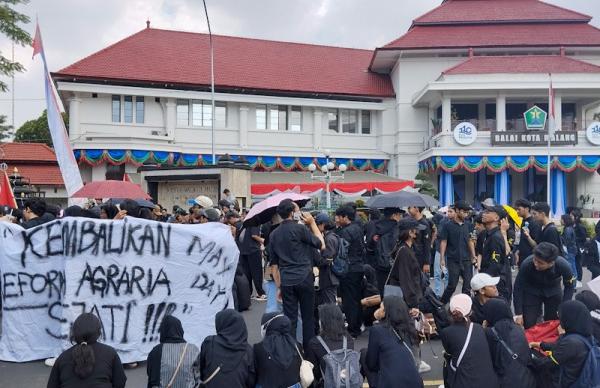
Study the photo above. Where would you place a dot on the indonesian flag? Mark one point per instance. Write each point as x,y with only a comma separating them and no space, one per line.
551,109
7,197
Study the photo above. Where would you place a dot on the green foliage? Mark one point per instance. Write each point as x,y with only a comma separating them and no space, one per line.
590,228
424,185
36,131
6,131
10,21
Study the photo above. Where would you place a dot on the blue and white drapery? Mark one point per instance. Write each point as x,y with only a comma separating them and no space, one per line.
502,188
446,188
558,184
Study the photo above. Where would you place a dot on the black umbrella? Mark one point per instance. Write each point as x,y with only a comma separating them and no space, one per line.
140,202
401,199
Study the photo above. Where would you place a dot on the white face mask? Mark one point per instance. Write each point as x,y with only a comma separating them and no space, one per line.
297,216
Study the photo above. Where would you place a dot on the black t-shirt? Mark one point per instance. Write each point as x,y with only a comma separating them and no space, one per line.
457,237
550,234
248,245
292,248
494,259
422,244
525,249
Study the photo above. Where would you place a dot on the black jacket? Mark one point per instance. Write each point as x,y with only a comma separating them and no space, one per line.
569,353
406,273
423,242
476,369
272,375
108,371
591,258
512,372
43,219
382,243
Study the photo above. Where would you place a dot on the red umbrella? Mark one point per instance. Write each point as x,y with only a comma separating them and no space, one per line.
264,210
111,189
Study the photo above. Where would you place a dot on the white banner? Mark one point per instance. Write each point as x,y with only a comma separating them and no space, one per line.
130,273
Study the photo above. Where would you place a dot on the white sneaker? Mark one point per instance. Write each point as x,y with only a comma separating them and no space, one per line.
50,361
579,284
424,367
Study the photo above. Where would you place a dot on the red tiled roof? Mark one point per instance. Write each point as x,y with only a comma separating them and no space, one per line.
499,35
34,152
522,64
38,174
490,11
182,58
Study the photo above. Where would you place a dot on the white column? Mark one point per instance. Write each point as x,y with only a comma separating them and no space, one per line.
558,111
446,114
481,117
171,118
244,126
430,118
501,113
74,119
317,128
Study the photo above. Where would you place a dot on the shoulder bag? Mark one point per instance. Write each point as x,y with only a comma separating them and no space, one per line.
172,381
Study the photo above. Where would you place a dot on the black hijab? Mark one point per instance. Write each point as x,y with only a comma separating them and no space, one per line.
231,342
592,302
278,342
498,315
575,318
171,330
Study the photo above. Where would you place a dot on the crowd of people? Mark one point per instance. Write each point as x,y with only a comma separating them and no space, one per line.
327,279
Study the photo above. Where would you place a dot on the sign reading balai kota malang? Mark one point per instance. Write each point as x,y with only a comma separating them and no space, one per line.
532,138
130,273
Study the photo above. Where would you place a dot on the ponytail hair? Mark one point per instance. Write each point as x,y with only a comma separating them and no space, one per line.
85,332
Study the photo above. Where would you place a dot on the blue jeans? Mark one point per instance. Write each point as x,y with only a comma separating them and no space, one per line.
438,288
572,259
273,306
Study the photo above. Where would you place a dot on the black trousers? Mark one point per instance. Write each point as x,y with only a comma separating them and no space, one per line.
382,275
532,308
458,269
302,294
595,270
351,293
578,265
252,267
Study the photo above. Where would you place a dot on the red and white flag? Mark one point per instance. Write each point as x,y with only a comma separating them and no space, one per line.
7,197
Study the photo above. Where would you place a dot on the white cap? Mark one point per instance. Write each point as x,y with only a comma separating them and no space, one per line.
204,201
489,202
483,280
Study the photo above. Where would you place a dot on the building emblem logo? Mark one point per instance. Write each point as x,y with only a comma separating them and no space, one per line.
593,133
535,118
465,133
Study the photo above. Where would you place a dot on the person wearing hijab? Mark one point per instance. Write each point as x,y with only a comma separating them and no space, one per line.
389,359
172,359
88,363
468,360
508,346
591,256
592,302
276,358
226,359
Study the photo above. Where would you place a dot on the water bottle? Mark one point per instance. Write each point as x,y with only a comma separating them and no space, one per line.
526,227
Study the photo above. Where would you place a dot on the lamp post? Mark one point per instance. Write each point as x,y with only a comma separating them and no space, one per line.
330,172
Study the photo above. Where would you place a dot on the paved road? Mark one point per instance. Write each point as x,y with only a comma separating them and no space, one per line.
35,374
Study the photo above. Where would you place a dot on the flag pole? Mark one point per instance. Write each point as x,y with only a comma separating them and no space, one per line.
212,86
550,133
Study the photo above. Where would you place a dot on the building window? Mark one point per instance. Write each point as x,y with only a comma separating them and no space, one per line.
278,118
220,114
139,110
116,109
261,117
349,120
365,122
295,118
332,119
183,113
128,109
202,114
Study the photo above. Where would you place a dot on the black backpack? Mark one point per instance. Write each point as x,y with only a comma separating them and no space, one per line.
340,265
384,256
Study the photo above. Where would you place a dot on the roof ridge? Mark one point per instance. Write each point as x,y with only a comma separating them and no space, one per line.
444,4
589,17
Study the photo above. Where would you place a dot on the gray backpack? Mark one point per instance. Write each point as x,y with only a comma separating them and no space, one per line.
342,367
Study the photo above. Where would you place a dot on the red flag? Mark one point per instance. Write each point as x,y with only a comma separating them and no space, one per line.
6,194
37,41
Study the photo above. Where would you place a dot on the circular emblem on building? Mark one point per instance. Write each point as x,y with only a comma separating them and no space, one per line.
593,133
465,133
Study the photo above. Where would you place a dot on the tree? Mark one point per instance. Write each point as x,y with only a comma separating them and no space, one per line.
9,26
6,131
424,185
36,131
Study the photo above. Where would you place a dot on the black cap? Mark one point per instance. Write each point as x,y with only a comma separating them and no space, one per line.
462,205
498,210
410,223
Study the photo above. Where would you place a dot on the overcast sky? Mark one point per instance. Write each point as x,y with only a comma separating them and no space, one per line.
73,29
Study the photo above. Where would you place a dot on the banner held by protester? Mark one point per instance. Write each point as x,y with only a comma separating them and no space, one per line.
130,273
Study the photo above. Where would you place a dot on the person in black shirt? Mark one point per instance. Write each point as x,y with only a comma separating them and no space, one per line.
538,283
292,247
581,237
251,245
328,282
591,254
530,230
350,284
494,258
548,233
484,289
457,250
382,244
422,244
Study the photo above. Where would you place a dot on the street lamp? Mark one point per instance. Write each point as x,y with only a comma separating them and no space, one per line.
330,173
